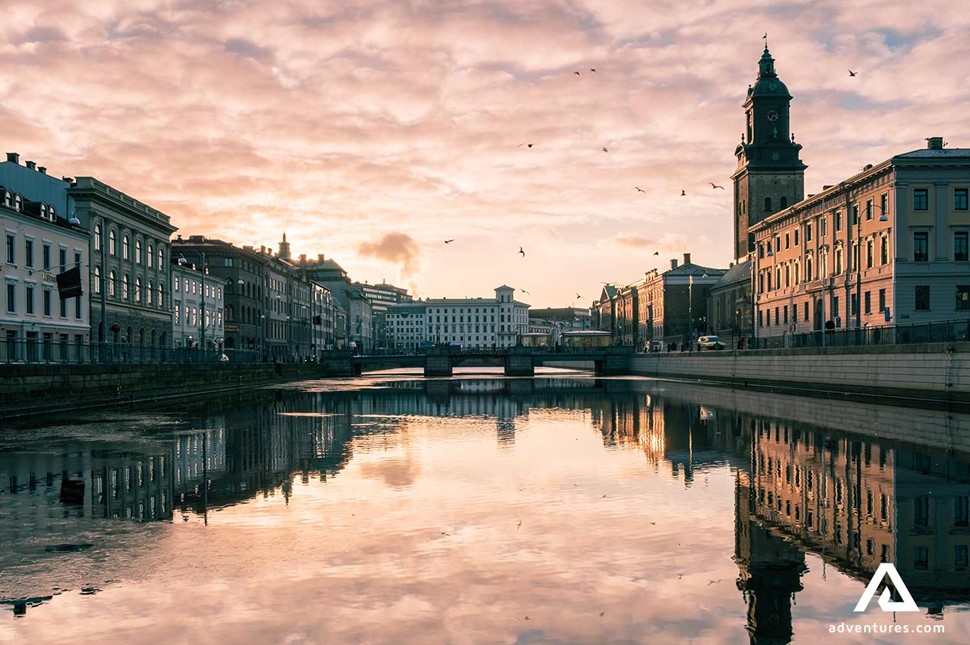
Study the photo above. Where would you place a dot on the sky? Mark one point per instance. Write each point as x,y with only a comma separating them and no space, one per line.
373,131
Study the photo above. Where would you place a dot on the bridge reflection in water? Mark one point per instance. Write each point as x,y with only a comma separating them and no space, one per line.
810,477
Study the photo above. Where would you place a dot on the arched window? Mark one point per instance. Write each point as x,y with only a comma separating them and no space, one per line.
151,260
97,237
138,290
797,273
124,287
229,314
784,202
112,240
150,294
137,251
97,280
112,284
161,252
125,248
808,268
161,294
767,203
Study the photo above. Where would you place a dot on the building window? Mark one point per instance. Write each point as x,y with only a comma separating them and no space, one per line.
29,253
870,254
921,243
838,261
961,511
47,302
138,290
884,250
960,557
823,227
97,237
960,246
921,199
787,241
808,232
11,298
125,248
97,280
112,286
921,558
963,297
160,254
29,300
767,203
137,251
837,221
922,298
124,287
960,199
868,302
45,258
112,240
808,268
868,209
796,237
882,300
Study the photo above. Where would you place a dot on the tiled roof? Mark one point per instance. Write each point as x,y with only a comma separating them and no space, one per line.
738,273
936,153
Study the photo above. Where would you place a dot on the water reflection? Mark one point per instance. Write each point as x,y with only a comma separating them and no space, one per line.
842,484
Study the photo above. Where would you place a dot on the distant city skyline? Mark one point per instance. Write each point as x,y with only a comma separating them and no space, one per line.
376,134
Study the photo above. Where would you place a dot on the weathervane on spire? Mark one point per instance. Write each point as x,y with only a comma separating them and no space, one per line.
765,38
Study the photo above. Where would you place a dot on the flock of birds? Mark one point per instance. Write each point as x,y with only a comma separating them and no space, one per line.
683,191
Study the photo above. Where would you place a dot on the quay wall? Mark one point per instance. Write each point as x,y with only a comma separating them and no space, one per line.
935,371
28,390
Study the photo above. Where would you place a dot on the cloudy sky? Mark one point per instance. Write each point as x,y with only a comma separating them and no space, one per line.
372,131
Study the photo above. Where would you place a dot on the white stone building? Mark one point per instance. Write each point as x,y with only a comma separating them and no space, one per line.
39,243
472,323
198,306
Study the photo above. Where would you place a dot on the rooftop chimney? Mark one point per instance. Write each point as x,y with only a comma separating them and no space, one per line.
42,170
686,258
934,143
320,257
13,157
33,166
673,263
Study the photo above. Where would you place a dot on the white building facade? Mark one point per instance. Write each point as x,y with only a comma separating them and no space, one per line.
197,309
36,325
472,323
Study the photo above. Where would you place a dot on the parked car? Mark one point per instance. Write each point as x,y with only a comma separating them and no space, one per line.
654,346
709,342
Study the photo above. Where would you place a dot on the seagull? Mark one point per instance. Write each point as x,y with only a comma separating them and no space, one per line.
449,241
640,189
656,252
579,297
525,144
519,524
522,251
524,291
851,73
592,69
713,185
604,149
576,73
683,193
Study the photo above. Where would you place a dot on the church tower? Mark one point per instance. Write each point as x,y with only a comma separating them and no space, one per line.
284,253
770,176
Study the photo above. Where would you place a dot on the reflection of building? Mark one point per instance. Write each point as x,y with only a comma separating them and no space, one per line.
770,571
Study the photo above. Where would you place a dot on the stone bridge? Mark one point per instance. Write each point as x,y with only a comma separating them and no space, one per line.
517,361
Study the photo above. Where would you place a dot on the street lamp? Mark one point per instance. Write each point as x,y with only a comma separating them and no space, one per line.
183,262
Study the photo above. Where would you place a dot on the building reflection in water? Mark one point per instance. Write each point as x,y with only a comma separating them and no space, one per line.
801,485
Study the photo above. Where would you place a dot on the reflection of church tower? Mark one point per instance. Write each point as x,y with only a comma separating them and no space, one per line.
770,176
284,249
770,571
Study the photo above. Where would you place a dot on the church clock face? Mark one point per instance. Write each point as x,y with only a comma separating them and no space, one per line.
775,156
772,116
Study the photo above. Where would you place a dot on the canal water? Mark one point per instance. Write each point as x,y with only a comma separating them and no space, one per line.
483,509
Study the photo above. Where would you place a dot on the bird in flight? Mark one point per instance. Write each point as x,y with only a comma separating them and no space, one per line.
525,144
578,297
851,73
524,291
522,251
576,73
713,185
604,149
656,252
640,189
592,69
683,193
449,241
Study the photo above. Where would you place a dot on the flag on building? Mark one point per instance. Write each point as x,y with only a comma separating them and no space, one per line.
69,283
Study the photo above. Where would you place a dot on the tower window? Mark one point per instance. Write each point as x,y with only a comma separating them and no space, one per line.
784,202
767,203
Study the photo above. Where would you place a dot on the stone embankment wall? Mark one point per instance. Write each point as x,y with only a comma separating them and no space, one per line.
27,390
938,371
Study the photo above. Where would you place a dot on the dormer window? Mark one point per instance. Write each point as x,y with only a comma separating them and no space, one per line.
17,203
